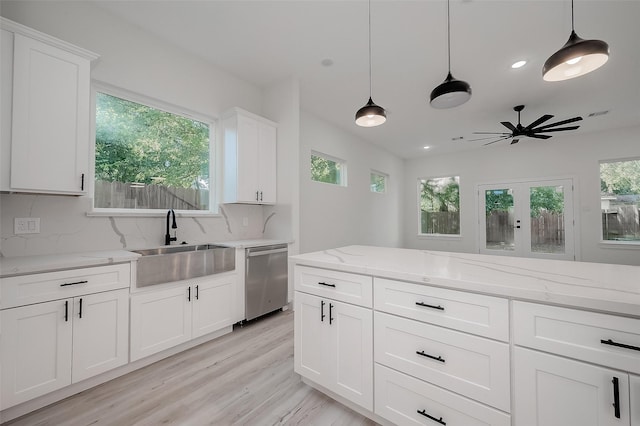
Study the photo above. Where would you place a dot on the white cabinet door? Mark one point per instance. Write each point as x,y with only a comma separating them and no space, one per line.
352,345
267,163
213,304
50,128
35,350
311,338
634,385
100,333
159,320
555,391
248,137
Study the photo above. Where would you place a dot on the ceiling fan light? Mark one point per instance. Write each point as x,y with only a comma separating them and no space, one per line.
577,57
370,115
451,93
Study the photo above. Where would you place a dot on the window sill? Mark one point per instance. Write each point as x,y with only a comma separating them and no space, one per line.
450,237
612,244
162,213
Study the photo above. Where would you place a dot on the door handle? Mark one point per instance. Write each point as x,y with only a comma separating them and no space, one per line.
197,292
66,311
330,313
424,413
189,294
80,310
616,397
322,315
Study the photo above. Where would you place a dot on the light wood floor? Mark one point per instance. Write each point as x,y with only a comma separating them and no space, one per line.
243,378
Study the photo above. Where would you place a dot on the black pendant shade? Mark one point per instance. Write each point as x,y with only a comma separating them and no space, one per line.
577,57
370,115
450,93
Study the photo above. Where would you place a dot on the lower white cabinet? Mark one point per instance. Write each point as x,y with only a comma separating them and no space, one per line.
334,346
634,386
555,391
162,319
49,345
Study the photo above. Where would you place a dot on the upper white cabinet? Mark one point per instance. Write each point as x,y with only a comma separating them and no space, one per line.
249,158
45,136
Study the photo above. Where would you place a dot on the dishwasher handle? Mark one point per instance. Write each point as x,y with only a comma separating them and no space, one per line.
265,252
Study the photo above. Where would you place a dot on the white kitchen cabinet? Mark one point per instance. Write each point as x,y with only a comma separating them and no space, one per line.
555,391
164,318
249,158
46,346
334,346
634,386
48,150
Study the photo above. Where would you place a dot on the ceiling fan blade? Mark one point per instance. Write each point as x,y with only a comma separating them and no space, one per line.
489,137
514,141
540,120
560,123
539,136
559,129
501,139
508,125
491,133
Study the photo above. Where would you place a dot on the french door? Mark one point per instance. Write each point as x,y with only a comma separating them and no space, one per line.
527,219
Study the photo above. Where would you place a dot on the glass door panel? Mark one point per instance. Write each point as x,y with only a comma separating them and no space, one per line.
546,208
499,219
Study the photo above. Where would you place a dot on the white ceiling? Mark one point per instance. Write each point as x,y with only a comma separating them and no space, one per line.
266,41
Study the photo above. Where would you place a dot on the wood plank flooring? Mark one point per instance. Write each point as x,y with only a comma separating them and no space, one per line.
243,378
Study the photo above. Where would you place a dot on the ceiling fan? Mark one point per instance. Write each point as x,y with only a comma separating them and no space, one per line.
531,131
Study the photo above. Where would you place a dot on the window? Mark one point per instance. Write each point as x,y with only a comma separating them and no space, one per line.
439,205
148,158
620,200
378,182
328,169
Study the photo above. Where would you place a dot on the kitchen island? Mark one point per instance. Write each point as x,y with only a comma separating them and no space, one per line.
426,337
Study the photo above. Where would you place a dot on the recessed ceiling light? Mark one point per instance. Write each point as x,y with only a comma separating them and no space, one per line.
518,64
327,62
426,147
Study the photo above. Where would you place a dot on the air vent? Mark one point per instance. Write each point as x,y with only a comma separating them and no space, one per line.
596,114
457,138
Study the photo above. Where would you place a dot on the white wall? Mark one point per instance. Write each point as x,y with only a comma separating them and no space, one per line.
334,216
134,60
575,156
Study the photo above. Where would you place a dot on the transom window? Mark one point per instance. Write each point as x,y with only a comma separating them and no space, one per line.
147,158
620,200
439,201
327,169
378,182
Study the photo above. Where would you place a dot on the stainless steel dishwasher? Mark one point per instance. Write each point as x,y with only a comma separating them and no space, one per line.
265,280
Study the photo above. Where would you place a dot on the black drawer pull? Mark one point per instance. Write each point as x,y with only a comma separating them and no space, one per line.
440,308
75,283
424,413
616,397
438,358
328,285
620,345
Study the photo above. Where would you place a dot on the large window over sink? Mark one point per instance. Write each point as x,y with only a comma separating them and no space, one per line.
620,201
150,157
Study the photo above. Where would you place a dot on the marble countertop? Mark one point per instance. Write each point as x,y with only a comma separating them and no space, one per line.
20,265
251,243
597,286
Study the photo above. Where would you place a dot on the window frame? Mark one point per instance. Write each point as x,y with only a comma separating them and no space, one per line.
633,244
215,165
343,168
419,210
381,174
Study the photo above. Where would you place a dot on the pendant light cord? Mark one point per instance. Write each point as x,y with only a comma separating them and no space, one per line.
370,49
572,29
448,38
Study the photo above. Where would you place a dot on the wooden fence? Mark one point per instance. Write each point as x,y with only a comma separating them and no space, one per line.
133,196
623,223
440,222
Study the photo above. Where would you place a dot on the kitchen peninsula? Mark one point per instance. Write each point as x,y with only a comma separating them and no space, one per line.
458,338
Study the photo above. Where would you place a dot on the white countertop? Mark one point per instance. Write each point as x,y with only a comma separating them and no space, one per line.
598,286
20,265
251,243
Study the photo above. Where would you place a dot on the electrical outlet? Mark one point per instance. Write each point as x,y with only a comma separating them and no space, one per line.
26,225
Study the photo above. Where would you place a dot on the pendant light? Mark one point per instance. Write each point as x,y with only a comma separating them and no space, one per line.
577,57
451,92
370,115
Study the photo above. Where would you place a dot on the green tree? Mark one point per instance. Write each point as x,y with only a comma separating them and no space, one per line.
620,177
324,170
442,194
546,198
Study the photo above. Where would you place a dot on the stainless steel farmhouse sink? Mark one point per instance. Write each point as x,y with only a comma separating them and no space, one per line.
176,263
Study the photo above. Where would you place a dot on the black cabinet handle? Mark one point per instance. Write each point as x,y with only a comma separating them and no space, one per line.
330,313
257,199
197,292
440,308
260,195
80,310
326,284
322,315
75,283
82,182
620,345
189,294
66,311
438,358
616,397
424,413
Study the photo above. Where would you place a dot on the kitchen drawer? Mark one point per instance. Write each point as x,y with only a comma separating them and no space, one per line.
400,398
36,288
473,313
472,366
341,286
583,335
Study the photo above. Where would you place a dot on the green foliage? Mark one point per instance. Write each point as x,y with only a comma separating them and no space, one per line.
546,198
500,200
137,143
325,170
441,194
621,177
378,182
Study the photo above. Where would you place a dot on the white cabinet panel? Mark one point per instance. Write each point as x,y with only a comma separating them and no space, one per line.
634,385
342,286
555,391
311,338
213,304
